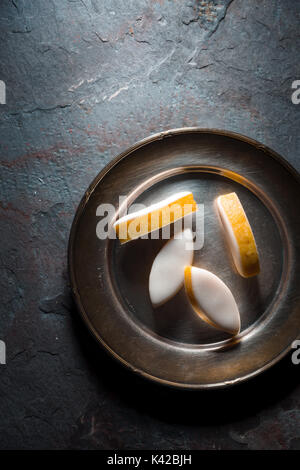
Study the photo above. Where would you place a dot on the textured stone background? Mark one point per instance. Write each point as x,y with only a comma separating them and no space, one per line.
85,79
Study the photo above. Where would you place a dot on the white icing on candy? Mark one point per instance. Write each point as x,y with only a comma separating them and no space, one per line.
167,272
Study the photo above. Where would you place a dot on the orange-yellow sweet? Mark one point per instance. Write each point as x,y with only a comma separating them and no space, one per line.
154,217
239,235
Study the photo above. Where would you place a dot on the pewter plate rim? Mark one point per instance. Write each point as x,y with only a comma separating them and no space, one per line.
85,201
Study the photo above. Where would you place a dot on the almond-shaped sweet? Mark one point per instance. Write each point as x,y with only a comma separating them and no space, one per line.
155,216
167,272
239,235
212,299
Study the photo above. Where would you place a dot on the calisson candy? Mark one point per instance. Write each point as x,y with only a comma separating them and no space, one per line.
167,272
212,299
154,217
239,235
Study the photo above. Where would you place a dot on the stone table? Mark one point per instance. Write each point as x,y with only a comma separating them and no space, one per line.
84,80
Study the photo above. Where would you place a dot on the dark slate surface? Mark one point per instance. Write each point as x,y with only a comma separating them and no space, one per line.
85,79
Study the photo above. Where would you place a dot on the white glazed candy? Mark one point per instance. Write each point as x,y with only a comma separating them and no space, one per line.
167,272
212,299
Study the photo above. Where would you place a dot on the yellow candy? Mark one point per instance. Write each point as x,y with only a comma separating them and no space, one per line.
240,236
154,217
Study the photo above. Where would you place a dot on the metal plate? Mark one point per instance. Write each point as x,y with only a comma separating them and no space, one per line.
171,345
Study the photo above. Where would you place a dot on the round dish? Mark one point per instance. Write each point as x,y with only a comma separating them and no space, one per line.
170,344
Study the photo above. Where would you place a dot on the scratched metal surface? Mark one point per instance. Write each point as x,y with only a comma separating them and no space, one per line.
86,79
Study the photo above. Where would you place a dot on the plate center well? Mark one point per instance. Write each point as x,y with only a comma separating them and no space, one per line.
176,320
